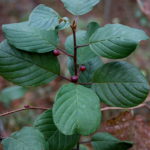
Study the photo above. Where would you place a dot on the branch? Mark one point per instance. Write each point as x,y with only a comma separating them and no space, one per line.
63,51
143,8
85,142
82,46
119,108
74,27
65,78
43,108
22,109
78,146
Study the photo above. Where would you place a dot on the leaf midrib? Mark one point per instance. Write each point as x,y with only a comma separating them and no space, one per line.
21,142
29,61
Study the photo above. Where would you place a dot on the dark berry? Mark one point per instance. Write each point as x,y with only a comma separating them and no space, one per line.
56,52
74,79
82,68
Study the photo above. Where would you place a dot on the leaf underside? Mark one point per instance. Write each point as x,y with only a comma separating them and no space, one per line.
78,7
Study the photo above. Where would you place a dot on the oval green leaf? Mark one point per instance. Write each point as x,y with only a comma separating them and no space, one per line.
84,53
76,110
120,84
116,41
26,139
27,69
91,28
105,141
12,93
78,7
26,38
54,138
44,17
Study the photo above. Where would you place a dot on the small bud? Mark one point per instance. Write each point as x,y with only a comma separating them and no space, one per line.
56,52
74,79
82,68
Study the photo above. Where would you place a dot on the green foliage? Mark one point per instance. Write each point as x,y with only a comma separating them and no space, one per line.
30,39
26,139
12,93
44,17
116,41
65,23
120,84
54,138
76,106
91,28
28,57
78,7
27,69
82,39
83,147
105,141
87,75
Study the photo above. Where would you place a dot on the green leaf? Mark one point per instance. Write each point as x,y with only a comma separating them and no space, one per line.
44,17
116,41
76,110
83,147
65,23
12,93
92,27
27,69
26,38
120,84
91,67
105,141
54,138
84,53
26,139
78,7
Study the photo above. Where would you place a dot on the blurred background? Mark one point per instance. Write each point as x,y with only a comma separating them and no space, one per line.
126,125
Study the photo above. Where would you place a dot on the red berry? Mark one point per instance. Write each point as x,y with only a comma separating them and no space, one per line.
56,52
74,79
82,68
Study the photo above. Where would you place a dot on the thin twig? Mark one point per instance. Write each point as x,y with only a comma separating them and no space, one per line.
78,146
79,46
73,27
85,142
22,109
63,51
119,108
103,109
65,78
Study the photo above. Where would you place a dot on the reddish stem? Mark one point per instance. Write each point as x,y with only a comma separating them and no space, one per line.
63,51
22,109
73,27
